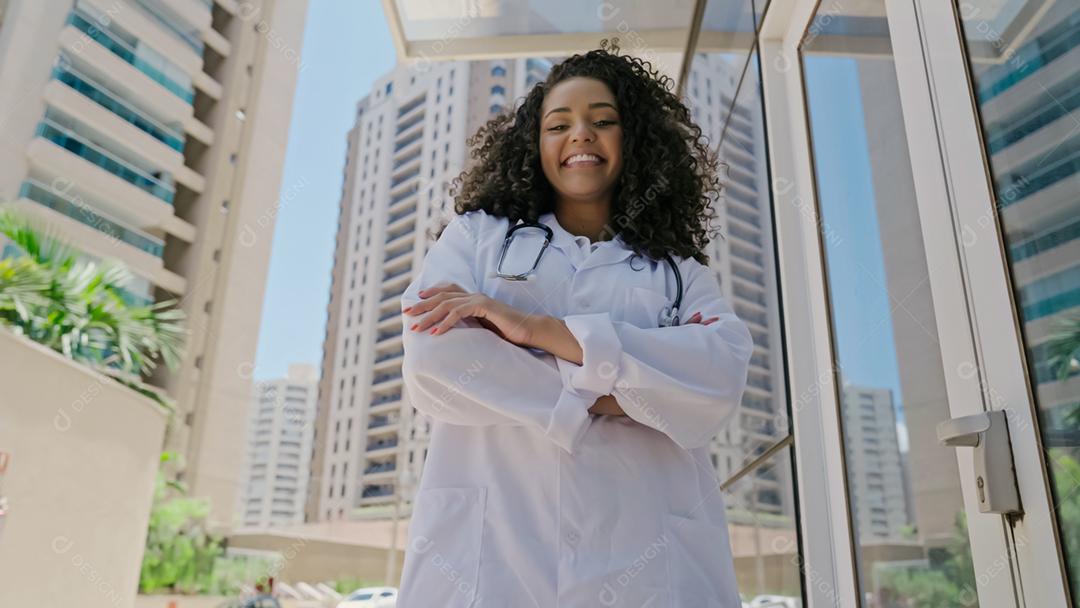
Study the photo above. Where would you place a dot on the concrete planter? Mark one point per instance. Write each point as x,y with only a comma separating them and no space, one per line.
82,452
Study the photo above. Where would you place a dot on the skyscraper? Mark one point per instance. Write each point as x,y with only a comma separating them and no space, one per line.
279,448
151,131
408,143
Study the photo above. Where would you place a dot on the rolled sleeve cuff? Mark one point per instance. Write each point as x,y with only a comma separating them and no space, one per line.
601,351
569,419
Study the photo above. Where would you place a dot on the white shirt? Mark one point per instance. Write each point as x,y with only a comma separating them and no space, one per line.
526,499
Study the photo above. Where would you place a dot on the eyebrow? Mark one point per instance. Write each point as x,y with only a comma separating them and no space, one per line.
595,104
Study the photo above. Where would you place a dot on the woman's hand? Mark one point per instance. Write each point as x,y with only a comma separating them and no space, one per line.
696,318
448,303
607,406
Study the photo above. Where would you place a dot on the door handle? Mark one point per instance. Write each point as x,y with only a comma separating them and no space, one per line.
995,473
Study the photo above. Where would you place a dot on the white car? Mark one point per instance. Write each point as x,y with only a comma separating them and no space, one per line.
775,601
370,597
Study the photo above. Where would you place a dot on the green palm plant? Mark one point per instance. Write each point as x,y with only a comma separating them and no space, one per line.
1064,351
74,305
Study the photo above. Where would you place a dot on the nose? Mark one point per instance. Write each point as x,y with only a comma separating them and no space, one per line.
582,132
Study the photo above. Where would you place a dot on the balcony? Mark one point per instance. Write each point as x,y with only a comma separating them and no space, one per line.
397,273
756,278
100,95
382,444
396,255
114,44
397,216
396,198
188,37
412,105
380,421
67,139
745,235
386,297
745,255
383,336
393,397
39,193
404,177
401,162
381,467
399,233
409,140
408,124
374,494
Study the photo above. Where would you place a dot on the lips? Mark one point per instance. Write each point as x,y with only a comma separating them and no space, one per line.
583,159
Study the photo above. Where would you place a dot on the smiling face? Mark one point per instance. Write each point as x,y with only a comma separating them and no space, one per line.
581,140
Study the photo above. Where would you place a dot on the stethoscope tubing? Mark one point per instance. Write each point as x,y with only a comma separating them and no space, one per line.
669,317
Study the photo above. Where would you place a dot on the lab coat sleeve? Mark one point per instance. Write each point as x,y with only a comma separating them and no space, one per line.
471,376
684,381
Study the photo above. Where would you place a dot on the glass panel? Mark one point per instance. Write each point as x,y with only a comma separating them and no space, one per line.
904,488
1025,62
743,255
430,21
764,538
727,34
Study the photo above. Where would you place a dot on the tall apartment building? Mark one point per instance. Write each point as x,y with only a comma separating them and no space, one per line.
875,469
280,430
407,144
152,132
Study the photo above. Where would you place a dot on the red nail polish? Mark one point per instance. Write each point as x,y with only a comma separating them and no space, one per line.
406,309
434,330
414,325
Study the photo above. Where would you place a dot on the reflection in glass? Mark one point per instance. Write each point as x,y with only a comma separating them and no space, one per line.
905,504
1025,65
438,25
764,543
723,91
744,254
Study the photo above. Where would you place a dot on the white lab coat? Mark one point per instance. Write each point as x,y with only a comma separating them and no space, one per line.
526,499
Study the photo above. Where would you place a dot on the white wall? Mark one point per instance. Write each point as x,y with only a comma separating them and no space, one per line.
79,482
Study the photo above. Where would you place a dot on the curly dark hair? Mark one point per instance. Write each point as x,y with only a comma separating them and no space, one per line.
662,200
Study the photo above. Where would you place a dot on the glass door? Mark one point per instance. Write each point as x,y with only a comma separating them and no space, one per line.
909,532
901,338
994,89
1024,62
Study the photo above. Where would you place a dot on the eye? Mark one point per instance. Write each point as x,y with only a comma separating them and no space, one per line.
556,127
604,123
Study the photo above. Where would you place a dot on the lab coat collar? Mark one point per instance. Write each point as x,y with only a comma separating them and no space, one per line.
608,252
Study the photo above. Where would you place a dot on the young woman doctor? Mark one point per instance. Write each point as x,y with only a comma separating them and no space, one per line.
568,463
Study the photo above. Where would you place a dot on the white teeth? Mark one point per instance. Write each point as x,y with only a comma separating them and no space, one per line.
581,158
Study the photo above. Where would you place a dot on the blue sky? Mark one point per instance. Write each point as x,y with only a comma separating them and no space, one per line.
860,303
346,47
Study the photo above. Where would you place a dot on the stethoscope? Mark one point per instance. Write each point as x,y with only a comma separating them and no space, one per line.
669,316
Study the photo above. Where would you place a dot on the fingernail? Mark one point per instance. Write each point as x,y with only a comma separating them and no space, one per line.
434,330
406,309
413,327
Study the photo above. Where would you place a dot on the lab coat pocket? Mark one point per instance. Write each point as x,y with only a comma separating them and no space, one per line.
641,307
700,568
443,560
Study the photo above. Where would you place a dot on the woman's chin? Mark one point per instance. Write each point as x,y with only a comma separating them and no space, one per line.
583,192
